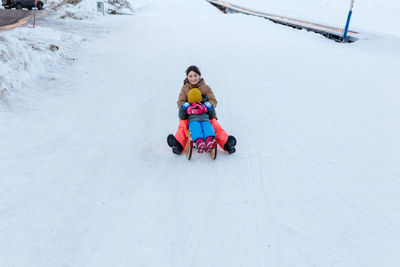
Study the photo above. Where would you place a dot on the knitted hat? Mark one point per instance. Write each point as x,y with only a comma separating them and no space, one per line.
194,95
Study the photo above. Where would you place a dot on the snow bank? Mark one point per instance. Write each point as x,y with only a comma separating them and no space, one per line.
369,16
78,9
27,54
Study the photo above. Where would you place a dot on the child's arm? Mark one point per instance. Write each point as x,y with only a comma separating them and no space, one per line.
183,111
211,110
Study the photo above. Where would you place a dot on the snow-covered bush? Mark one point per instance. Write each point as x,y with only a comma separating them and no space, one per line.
86,9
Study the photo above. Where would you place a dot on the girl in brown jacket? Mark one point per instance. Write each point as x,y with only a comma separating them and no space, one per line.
194,80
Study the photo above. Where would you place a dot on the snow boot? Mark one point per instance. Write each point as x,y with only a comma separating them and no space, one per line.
174,144
201,146
210,144
230,144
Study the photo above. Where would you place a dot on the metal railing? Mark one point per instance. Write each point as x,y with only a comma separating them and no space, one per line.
327,31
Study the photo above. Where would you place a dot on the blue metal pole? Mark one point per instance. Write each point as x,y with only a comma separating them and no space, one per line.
348,21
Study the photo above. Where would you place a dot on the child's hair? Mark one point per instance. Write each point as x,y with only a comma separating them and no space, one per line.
193,68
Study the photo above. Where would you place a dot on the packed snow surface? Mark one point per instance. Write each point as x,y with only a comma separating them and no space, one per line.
87,179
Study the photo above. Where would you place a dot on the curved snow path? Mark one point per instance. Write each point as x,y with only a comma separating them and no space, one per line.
88,180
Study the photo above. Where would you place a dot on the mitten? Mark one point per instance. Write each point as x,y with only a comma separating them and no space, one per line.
208,105
189,110
196,109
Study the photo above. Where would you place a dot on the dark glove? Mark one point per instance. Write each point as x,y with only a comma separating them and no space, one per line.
211,113
182,113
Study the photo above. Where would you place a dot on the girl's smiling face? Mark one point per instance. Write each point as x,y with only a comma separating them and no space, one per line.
193,77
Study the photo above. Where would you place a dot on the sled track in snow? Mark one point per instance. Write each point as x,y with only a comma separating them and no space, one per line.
329,32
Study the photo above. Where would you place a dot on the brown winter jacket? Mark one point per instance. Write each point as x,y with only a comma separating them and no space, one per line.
205,90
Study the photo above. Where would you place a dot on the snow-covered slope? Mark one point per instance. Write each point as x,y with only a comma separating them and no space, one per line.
28,53
86,177
370,17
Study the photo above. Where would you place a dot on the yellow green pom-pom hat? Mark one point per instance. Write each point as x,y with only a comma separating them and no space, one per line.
194,95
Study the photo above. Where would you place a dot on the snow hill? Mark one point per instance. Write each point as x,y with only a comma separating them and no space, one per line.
87,179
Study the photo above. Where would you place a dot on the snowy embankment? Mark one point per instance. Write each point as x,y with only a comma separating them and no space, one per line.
370,17
28,55
86,177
